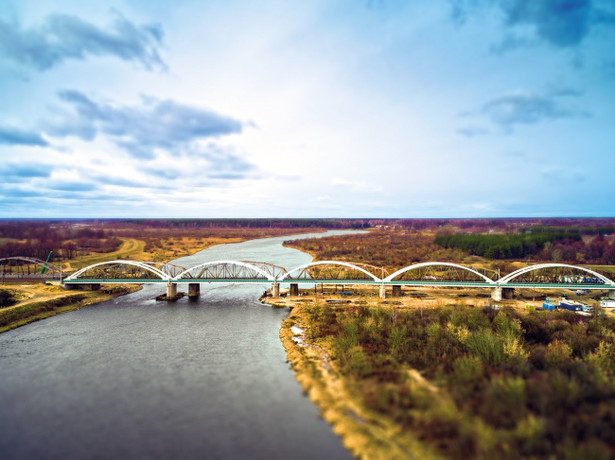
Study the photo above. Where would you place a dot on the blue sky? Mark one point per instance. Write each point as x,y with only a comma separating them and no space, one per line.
363,108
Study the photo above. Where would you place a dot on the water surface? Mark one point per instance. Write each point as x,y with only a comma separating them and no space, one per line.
136,378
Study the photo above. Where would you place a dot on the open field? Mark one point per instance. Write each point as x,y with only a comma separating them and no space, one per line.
166,249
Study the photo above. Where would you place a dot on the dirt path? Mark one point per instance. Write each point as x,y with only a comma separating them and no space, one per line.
129,248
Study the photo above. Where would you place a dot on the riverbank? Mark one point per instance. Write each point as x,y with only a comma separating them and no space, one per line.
40,301
463,380
366,434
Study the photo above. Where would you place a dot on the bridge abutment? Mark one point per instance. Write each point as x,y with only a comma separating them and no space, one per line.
611,294
194,290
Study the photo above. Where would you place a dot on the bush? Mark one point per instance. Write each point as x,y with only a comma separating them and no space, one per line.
6,299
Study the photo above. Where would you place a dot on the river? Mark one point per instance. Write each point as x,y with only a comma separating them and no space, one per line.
136,378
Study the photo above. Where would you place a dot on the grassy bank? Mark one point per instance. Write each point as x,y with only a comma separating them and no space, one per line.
365,433
36,302
457,381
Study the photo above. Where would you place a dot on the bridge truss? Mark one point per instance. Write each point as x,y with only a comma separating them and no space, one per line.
14,268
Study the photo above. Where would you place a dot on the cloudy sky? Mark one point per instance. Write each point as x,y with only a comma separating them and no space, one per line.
316,108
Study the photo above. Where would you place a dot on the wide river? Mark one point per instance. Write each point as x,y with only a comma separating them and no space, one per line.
136,378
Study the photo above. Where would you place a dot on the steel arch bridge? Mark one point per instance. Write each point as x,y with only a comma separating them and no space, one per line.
231,270
434,274
125,271
28,268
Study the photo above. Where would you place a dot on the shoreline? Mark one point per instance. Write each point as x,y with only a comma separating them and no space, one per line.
36,310
364,433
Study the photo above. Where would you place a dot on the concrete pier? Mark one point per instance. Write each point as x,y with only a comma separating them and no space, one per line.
382,291
275,290
396,290
294,289
171,290
611,294
501,293
194,290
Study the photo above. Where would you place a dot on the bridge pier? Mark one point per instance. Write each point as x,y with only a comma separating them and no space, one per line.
397,290
275,290
294,289
194,290
382,293
502,293
171,290
611,294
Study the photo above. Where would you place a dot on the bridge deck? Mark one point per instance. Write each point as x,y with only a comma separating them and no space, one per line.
411,283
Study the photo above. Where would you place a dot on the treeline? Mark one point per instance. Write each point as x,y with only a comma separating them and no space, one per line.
603,230
600,251
245,223
557,245
63,240
506,246
586,226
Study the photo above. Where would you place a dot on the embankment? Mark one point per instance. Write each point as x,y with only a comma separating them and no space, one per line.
35,309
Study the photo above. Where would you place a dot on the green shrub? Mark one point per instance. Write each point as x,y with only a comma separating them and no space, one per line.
505,401
468,369
487,346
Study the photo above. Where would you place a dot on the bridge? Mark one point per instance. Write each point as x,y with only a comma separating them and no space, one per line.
331,272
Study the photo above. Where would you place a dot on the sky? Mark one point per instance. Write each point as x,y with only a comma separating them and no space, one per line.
319,108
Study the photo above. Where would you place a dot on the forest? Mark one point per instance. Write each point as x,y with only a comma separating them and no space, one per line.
505,246
555,245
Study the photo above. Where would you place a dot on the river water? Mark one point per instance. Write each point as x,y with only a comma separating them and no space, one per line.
136,378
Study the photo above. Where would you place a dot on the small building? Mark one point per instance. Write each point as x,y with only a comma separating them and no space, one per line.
549,305
607,303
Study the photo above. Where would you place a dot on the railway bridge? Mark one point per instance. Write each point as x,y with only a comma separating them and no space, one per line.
331,272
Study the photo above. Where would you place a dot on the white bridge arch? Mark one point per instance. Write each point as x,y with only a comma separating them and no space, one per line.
328,262
214,263
143,265
506,279
429,264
